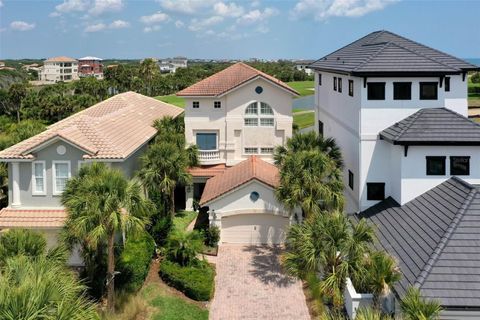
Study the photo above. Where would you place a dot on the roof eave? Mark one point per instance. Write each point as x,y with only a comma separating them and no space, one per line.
431,143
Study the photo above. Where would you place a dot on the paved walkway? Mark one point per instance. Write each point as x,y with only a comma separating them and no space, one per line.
250,285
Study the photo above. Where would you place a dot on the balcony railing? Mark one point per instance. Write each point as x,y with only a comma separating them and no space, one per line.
210,156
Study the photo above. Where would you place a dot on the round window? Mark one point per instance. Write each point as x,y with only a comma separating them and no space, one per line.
258,89
61,150
254,196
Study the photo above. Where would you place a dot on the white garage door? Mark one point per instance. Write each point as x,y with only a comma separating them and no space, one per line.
254,229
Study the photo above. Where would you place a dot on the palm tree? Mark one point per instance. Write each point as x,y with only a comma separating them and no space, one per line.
148,70
42,289
414,307
17,92
102,203
183,247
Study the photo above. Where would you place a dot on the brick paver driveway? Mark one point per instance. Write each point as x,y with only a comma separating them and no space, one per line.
250,285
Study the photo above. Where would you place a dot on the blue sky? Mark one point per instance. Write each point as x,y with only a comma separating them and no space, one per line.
227,29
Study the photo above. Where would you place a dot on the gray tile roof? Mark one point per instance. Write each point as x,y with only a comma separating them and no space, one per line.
433,126
386,52
436,240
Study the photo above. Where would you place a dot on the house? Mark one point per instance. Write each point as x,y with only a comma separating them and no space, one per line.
115,131
59,69
170,65
236,117
304,65
398,110
90,67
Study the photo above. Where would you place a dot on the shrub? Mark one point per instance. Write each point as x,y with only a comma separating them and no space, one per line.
183,247
161,229
196,280
475,77
135,261
212,236
21,242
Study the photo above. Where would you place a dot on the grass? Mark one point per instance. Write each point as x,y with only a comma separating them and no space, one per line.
182,219
172,99
305,88
304,120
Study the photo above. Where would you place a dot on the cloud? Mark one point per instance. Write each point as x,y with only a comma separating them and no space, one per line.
199,24
102,6
151,29
228,10
157,17
119,24
257,16
179,24
22,26
71,6
324,9
96,27
186,6
1,3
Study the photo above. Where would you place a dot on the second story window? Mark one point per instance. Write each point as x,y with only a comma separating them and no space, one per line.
259,113
436,166
334,83
251,150
319,79
402,91
376,91
350,88
39,183
459,166
428,90
196,104
61,173
339,84
217,104
266,150
250,122
447,84
252,108
206,141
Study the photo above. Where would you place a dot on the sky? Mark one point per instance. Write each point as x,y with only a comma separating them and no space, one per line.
223,29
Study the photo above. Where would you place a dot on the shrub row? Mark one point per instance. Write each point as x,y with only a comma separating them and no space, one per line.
196,281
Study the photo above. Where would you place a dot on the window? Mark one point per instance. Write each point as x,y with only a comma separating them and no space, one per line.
402,91
376,91
217,104
196,104
251,150
250,122
334,83
436,166
61,173
266,122
460,166
375,191
38,178
350,88
266,150
339,84
265,108
320,128
206,141
319,79
350,179
447,84
252,108
428,90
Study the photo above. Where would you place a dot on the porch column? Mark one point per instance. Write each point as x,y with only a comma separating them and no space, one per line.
15,185
189,197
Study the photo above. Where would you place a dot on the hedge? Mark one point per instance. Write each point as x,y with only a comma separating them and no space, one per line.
195,281
135,261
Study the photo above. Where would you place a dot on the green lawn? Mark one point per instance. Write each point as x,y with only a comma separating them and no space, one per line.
172,99
182,219
305,88
304,120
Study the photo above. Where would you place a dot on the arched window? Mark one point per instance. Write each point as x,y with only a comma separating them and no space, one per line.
253,117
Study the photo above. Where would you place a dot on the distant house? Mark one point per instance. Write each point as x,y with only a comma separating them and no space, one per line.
304,65
59,69
170,65
32,67
90,67
2,64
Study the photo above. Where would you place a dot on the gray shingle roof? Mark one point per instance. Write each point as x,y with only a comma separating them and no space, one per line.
435,238
386,52
433,126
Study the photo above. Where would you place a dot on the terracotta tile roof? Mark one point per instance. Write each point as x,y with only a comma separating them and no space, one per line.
111,129
61,59
207,171
228,79
234,177
41,218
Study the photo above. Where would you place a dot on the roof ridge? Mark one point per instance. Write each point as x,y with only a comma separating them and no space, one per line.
414,118
446,236
373,55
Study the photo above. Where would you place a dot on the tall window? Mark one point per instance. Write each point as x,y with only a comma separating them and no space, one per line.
339,84
319,79
436,166
428,90
206,141
376,91
320,128
259,113
38,178
334,83
447,84
265,109
402,91
350,179
350,88
61,173
460,166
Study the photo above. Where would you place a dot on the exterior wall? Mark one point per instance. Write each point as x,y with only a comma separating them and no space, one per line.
51,235
228,121
95,68
130,165
56,71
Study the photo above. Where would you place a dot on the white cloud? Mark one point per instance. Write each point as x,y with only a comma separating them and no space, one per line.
257,16
155,18
228,10
102,6
96,27
22,26
179,24
71,6
199,24
151,29
119,24
324,9
186,6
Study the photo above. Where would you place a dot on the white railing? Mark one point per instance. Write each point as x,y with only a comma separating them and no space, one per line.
206,156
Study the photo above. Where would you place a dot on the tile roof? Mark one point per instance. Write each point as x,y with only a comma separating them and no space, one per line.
111,129
435,238
228,79
238,175
207,171
384,51
61,59
433,126
38,218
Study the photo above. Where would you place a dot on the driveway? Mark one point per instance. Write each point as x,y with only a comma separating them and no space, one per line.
250,285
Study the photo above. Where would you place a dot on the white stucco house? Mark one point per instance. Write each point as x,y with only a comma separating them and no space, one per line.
59,69
234,116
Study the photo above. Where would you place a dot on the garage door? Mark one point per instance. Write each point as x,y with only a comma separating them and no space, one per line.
254,229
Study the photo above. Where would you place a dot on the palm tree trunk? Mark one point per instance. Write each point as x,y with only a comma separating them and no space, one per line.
172,203
110,274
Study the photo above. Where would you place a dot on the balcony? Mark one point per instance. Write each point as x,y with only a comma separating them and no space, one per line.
209,156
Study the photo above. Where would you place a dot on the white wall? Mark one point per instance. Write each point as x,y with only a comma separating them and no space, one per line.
54,71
